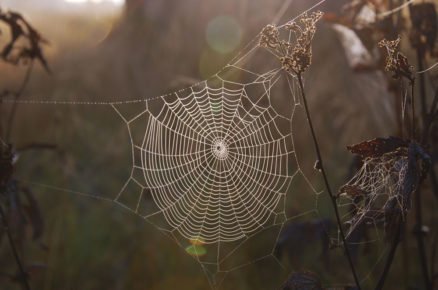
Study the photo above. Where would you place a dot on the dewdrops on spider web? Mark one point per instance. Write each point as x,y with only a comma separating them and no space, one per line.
212,164
217,159
380,192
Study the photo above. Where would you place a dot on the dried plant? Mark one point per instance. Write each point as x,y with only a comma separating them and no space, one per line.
19,209
396,62
381,191
295,55
16,51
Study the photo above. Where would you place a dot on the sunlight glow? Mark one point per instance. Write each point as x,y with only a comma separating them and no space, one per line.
116,2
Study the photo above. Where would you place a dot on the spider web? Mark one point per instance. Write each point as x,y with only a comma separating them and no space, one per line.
217,160
375,192
213,165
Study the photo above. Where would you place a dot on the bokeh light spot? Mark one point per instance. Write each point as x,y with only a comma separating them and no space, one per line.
197,251
223,34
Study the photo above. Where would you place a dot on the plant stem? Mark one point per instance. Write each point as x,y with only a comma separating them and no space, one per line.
23,275
420,241
390,258
432,259
413,123
418,203
15,104
420,60
327,185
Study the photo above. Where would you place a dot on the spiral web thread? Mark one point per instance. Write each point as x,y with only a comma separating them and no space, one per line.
215,173
212,164
217,159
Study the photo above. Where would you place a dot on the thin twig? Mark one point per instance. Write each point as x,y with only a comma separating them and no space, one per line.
390,258
432,259
420,241
418,203
430,119
422,86
23,278
413,123
18,94
327,185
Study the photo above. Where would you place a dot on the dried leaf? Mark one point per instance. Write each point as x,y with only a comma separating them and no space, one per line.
390,174
377,147
20,28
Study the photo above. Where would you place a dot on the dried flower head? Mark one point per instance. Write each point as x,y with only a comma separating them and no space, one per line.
301,54
396,62
295,57
270,37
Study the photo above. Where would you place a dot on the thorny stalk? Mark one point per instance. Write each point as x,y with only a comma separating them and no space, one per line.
327,185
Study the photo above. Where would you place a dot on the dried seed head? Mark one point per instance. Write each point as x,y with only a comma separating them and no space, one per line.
296,56
301,53
270,37
396,62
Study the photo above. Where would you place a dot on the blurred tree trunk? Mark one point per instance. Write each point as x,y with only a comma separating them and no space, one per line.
135,9
156,12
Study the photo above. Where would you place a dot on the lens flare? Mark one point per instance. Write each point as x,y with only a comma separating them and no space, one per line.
223,34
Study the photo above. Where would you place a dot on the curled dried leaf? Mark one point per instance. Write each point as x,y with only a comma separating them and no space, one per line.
378,146
20,28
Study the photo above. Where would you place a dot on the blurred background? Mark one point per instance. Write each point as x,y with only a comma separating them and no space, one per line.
106,50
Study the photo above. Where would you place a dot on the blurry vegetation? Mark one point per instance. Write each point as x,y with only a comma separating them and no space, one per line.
148,48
